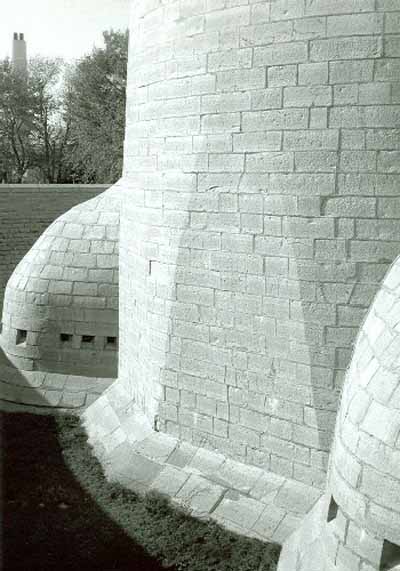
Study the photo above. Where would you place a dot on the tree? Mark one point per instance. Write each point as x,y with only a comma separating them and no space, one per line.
52,119
16,123
34,122
63,123
97,93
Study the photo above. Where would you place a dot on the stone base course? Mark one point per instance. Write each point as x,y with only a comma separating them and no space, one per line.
307,547
38,391
208,485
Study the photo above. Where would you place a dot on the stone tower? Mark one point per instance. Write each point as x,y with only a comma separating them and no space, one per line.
19,58
260,215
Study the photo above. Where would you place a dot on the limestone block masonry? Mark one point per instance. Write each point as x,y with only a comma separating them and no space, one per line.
61,303
26,210
261,212
357,524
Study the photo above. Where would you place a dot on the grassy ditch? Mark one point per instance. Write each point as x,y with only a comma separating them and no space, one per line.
59,512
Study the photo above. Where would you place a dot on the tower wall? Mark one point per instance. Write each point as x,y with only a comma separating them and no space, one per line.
261,213
19,56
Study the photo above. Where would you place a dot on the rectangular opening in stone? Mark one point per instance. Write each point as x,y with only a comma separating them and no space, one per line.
111,342
332,510
21,336
65,338
390,558
87,339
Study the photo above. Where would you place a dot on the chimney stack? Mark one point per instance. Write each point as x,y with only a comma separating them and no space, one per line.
19,59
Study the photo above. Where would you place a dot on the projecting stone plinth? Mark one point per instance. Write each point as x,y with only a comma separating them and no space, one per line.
245,499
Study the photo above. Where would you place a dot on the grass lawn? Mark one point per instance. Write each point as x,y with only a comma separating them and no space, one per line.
59,512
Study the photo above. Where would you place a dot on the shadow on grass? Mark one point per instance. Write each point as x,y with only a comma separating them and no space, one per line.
49,520
60,513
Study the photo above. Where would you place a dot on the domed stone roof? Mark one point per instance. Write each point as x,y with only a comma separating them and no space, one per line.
61,303
358,520
365,469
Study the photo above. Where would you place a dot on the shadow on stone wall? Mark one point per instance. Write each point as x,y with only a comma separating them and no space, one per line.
19,388
302,362
331,318
47,392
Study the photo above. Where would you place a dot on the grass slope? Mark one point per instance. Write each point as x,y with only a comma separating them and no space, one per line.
59,512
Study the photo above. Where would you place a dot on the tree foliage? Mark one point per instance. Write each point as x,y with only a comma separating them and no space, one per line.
52,120
34,125
16,124
63,123
97,94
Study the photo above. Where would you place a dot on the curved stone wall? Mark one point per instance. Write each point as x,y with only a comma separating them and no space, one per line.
358,521
261,213
26,210
365,469
61,303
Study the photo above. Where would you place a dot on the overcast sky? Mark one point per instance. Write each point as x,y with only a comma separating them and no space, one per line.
66,28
